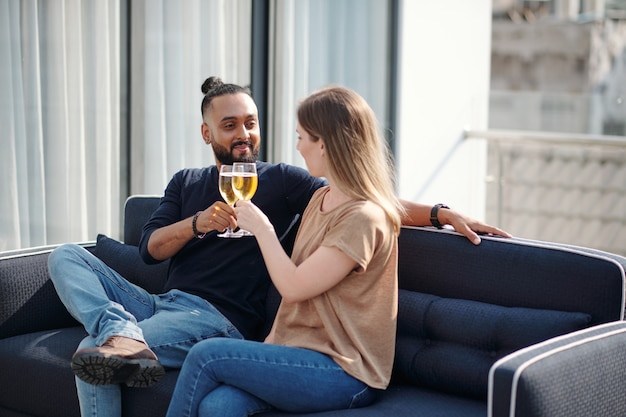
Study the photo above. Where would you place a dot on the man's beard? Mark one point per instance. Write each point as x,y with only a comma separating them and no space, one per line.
225,156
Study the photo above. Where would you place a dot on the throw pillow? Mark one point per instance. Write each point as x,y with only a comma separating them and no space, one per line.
126,260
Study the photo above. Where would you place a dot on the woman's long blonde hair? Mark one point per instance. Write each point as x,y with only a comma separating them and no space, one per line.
358,157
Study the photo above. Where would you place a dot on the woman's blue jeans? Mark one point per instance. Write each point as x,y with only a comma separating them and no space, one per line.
107,304
228,378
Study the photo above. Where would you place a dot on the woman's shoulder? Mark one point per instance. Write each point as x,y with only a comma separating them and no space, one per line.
366,210
363,215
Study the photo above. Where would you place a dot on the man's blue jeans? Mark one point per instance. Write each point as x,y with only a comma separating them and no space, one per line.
107,305
228,378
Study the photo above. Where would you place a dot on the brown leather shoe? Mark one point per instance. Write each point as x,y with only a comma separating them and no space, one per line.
120,360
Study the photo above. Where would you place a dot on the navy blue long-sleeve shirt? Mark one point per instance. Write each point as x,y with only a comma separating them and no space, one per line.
229,273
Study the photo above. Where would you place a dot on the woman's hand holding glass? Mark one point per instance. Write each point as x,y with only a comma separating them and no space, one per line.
251,218
237,182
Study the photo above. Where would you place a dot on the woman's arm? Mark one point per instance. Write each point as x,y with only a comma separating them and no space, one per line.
319,272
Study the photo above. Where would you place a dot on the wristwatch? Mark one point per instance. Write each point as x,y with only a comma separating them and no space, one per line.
433,215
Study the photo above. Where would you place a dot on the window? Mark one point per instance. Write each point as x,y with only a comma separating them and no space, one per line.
61,121
102,99
318,42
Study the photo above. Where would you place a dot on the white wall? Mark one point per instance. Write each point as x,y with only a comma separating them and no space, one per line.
444,72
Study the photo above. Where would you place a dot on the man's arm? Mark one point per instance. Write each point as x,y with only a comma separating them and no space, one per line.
419,215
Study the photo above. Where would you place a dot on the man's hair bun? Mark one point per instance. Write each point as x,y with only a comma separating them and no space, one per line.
211,83
215,87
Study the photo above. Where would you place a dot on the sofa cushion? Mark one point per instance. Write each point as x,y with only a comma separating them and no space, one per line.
450,344
126,260
36,377
405,401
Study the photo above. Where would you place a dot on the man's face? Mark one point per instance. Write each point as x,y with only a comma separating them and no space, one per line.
231,126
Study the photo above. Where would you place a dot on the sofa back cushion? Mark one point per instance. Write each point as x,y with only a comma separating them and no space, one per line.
137,211
450,344
512,272
29,300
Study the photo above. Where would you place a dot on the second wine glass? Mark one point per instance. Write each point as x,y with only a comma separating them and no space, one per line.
245,182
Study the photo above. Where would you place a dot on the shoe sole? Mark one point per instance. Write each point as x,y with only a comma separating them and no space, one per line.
97,369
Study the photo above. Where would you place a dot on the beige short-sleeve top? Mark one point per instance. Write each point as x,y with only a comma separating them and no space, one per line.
355,321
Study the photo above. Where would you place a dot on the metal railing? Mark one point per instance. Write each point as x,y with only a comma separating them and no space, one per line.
556,138
561,187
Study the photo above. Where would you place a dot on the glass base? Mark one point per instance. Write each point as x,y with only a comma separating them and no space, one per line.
229,234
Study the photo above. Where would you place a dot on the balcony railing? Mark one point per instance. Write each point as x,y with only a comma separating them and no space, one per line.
560,187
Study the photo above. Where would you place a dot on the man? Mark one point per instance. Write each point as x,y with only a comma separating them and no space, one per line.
216,286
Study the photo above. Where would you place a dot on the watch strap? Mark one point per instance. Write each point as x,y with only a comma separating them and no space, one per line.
434,220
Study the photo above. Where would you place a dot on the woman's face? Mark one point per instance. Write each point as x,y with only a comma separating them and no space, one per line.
311,151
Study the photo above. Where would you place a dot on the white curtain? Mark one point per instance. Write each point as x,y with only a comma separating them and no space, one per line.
176,46
62,164
59,117
314,43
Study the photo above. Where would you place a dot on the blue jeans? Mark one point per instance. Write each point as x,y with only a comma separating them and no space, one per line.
107,305
228,378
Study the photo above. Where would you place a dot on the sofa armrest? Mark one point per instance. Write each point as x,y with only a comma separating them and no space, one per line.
576,375
28,300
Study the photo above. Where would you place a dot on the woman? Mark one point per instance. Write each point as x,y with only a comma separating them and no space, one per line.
332,342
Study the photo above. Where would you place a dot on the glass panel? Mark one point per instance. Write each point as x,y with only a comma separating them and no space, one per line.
60,115
175,47
64,158
322,42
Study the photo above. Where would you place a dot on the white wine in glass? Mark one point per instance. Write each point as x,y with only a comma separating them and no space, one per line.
228,194
245,182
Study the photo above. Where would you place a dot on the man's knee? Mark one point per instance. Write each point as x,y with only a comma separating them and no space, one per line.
60,256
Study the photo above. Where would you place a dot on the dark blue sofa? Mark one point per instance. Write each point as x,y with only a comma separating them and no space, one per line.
511,327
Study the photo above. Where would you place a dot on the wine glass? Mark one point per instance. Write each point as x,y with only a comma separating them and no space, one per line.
226,189
245,182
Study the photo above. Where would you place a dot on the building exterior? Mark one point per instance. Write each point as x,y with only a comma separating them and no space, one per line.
557,67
